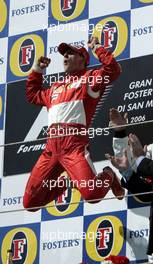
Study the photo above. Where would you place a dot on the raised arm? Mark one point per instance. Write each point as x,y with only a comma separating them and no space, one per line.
34,91
110,69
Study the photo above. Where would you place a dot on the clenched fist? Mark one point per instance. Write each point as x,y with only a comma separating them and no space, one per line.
43,62
92,42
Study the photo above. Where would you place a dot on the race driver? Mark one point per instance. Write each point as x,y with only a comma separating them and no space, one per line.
70,104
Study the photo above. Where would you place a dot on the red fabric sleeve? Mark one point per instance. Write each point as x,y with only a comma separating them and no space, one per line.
107,73
34,91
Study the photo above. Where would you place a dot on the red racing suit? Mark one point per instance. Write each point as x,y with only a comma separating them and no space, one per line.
71,103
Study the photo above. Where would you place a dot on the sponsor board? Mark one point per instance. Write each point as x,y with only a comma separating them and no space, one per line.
137,234
24,50
21,239
2,102
67,205
18,217
131,93
113,32
139,201
3,59
24,16
12,198
61,241
101,8
141,3
4,14
141,31
11,203
108,239
30,121
1,152
63,11
56,35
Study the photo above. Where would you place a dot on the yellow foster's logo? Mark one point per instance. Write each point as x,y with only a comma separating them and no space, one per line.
23,243
112,32
24,52
108,237
3,15
66,10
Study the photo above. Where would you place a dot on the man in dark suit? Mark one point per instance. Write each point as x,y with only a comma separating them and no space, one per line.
134,163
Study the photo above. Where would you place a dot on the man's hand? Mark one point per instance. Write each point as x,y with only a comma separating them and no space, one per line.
92,42
116,119
43,62
120,163
136,146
